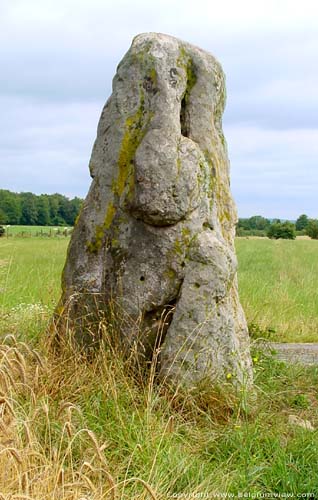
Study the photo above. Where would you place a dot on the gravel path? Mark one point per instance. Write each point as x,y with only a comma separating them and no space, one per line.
306,354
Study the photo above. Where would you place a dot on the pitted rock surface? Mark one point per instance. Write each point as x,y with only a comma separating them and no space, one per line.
155,235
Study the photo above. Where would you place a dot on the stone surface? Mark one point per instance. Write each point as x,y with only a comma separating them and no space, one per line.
155,236
302,353
295,421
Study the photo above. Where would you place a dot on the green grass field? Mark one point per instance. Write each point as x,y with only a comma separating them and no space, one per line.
28,231
278,288
71,429
30,274
277,282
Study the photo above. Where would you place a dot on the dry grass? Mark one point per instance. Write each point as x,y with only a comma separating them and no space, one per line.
76,428
45,453
47,450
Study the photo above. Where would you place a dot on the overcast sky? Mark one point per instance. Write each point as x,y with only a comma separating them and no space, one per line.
58,58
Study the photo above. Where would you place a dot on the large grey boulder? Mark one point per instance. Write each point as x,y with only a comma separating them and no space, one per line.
154,239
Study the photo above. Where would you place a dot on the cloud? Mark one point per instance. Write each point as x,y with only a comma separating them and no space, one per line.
45,147
274,171
60,57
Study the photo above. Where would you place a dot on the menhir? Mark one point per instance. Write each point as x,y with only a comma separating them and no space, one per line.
154,240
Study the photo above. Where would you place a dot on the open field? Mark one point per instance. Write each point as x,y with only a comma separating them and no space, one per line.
278,287
30,274
277,282
71,429
27,231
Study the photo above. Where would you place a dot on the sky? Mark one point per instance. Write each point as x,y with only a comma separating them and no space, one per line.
58,59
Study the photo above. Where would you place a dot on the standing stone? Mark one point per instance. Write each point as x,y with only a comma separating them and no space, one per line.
155,236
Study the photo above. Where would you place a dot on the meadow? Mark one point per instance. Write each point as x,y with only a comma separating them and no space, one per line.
41,231
278,288
277,282
94,429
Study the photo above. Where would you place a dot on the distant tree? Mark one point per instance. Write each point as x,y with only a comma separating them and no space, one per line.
255,225
10,205
65,210
312,229
258,222
243,224
54,208
57,209
29,209
3,217
302,222
284,230
43,210
76,205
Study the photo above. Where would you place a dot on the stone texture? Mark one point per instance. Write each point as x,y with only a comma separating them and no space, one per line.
295,421
155,235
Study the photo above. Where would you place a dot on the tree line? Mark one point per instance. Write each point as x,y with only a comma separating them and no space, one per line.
275,228
57,210
38,210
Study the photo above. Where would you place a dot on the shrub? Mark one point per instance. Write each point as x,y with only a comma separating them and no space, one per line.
312,229
250,232
284,230
2,231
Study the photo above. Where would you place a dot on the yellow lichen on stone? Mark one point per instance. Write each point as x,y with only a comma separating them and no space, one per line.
170,274
76,220
178,247
133,135
179,165
153,76
96,243
186,63
111,210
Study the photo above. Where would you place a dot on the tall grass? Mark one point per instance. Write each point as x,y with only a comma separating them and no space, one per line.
72,428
